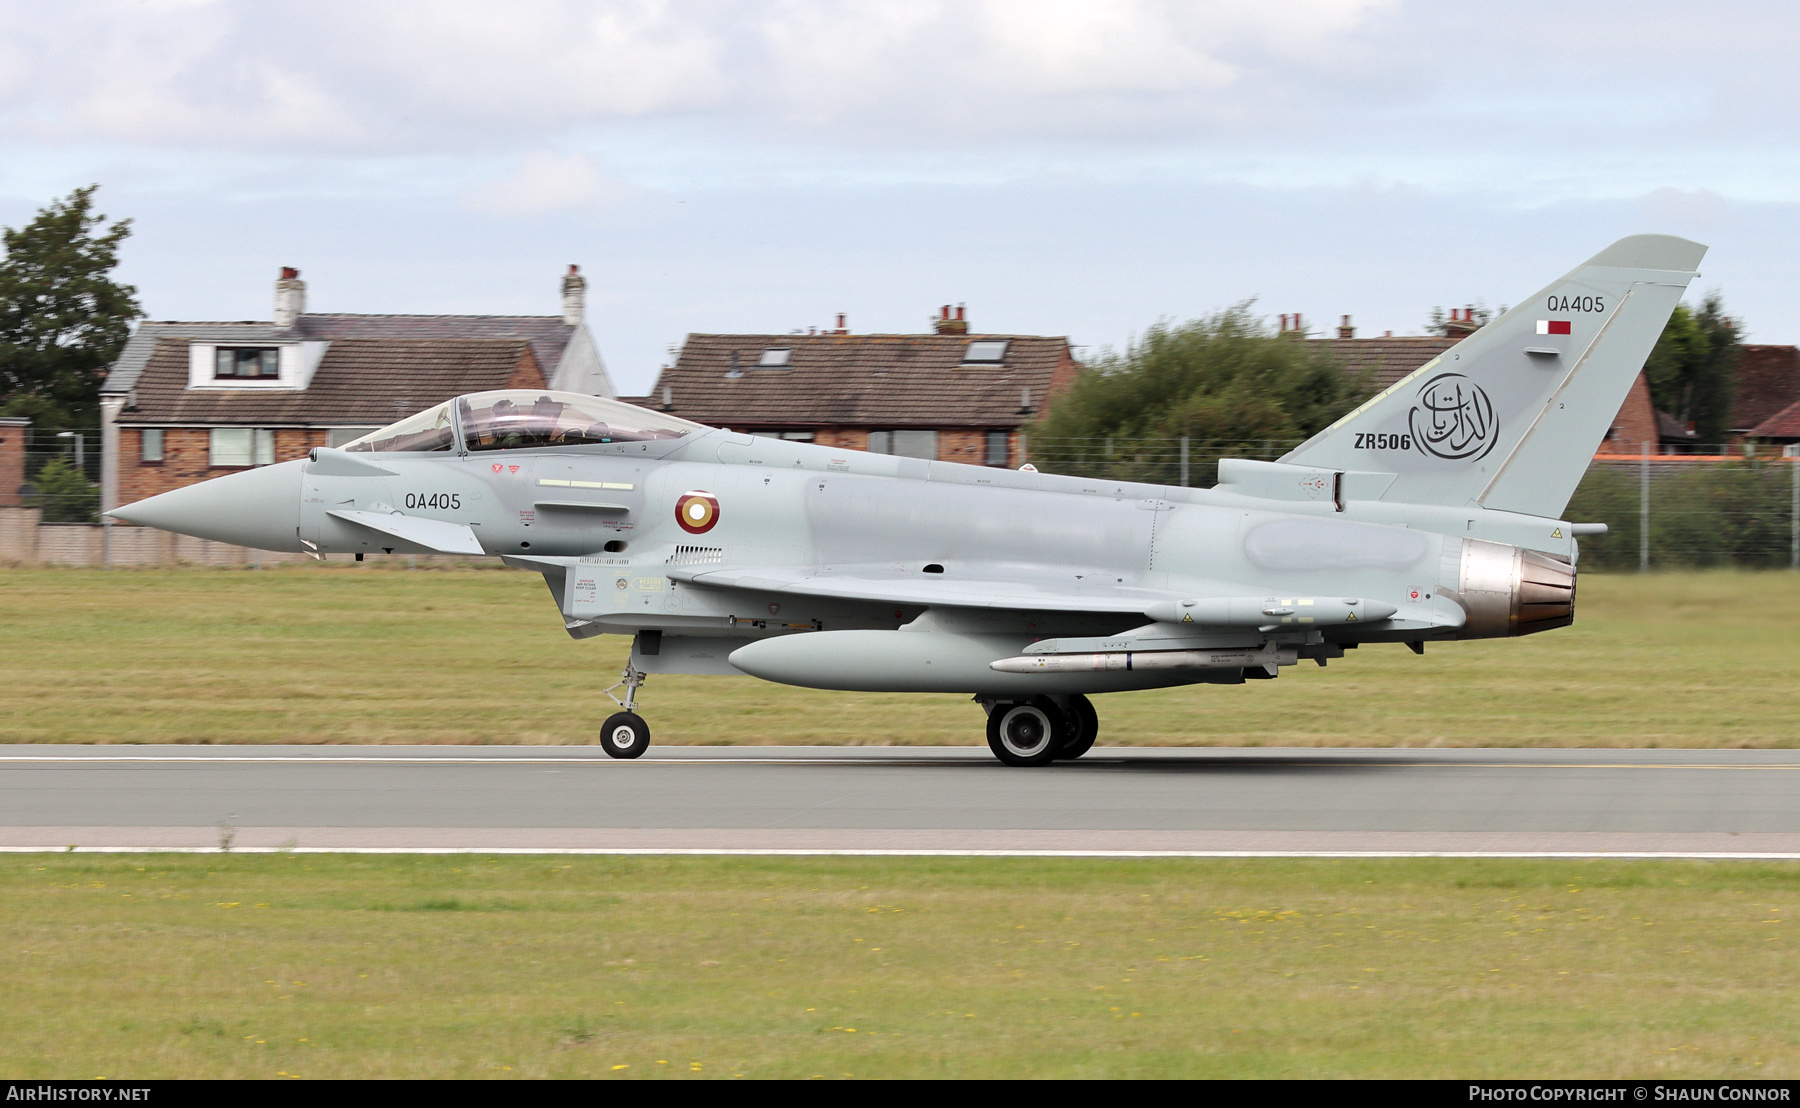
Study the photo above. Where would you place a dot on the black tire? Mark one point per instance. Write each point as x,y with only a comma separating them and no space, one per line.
625,735
1084,728
1028,733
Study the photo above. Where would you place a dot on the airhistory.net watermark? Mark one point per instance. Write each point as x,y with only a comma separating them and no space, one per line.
56,1093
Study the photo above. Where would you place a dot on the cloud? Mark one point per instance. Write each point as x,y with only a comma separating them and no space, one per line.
429,75
545,183
1687,209
357,78
1551,99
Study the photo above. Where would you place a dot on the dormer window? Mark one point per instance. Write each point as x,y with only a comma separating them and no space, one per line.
775,357
985,352
234,362
266,365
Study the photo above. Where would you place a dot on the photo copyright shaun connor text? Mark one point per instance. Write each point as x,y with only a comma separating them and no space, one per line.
1647,1092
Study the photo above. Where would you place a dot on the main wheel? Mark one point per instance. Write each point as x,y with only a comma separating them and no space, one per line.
1084,728
1027,734
625,735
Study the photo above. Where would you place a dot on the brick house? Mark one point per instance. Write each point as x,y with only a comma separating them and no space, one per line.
1768,384
948,395
190,401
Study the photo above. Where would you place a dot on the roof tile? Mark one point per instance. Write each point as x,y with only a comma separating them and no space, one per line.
1784,424
548,335
859,380
1768,381
360,382
1387,359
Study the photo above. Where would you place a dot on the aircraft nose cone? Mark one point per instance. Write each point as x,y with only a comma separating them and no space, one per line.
258,508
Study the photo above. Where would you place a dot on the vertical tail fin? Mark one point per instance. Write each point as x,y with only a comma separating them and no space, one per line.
1508,418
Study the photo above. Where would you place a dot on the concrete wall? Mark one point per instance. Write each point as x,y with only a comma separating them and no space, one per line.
18,534
24,540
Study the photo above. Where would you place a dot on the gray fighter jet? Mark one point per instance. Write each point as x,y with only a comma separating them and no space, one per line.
1432,512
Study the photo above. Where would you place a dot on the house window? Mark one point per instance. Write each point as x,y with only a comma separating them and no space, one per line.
906,444
246,361
985,352
791,436
338,436
997,448
242,446
150,445
775,357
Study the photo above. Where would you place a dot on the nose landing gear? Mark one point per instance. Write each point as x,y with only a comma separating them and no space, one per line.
625,734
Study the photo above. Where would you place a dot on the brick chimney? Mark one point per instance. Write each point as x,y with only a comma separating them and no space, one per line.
290,297
574,297
947,324
1345,331
1461,322
1292,325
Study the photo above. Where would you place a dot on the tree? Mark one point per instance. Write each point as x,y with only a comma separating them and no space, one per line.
1693,368
1223,381
63,319
64,494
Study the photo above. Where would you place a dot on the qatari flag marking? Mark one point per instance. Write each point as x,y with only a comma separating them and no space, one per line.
1553,326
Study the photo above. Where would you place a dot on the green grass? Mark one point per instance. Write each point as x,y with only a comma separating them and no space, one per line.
394,966
342,654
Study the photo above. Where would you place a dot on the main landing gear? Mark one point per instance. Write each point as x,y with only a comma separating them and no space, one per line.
1041,729
625,734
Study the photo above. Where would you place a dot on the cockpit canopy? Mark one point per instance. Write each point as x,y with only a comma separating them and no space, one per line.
512,419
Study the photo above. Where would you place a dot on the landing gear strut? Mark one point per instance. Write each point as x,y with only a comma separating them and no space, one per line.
1038,731
625,734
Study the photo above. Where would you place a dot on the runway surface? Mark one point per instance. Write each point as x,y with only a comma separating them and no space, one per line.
904,800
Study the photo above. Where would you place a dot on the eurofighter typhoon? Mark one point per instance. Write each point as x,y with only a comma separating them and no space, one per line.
1430,513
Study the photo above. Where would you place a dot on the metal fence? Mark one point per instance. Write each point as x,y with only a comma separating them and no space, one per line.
1726,508
1732,505
1159,461
62,474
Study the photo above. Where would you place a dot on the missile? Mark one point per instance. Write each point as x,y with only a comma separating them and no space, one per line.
1145,660
1272,612
937,661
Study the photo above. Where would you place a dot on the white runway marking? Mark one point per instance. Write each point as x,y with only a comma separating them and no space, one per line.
1235,758
1692,855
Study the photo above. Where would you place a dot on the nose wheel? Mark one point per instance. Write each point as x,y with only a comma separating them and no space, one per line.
625,734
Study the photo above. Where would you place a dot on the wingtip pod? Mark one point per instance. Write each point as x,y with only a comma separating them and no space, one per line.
1668,252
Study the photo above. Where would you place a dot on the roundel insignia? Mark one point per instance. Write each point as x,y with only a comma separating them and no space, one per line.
697,512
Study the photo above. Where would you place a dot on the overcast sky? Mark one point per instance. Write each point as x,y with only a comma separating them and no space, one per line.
1063,167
